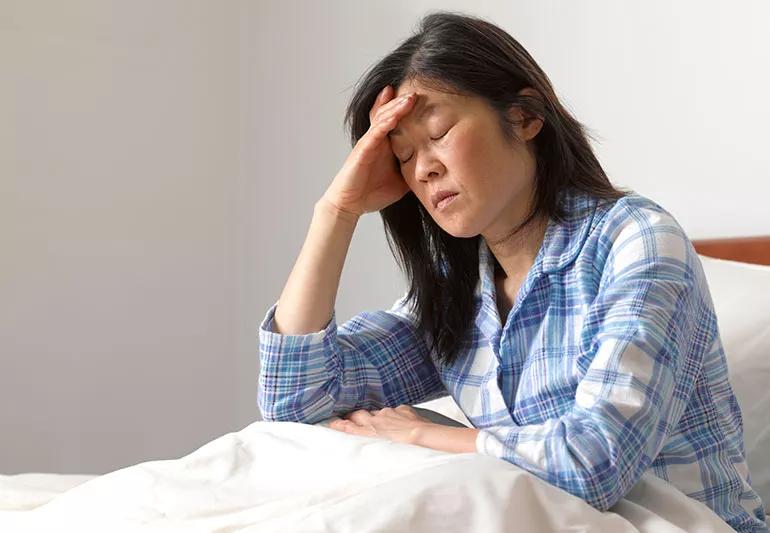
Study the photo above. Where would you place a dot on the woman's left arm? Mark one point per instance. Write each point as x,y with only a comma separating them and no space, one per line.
646,335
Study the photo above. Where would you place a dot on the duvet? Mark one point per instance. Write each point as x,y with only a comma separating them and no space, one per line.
286,476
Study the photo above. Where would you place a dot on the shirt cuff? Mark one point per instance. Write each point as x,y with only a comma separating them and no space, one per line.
497,440
481,442
269,337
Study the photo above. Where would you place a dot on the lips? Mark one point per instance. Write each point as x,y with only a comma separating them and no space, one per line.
439,195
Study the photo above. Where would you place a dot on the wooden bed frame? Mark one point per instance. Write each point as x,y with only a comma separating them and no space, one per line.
745,249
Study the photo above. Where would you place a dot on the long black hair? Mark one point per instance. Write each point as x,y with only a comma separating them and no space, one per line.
461,54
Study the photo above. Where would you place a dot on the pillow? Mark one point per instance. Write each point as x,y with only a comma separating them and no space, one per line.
741,296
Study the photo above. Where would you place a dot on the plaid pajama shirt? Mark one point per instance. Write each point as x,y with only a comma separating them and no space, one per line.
608,365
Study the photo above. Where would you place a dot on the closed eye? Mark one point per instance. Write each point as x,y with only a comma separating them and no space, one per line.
433,139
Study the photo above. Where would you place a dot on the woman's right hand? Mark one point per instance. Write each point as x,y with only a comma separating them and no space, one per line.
370,179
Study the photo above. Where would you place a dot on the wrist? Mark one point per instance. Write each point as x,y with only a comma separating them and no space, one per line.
331,208
445,438
418,434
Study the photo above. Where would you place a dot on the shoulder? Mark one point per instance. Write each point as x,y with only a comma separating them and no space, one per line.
631,215
635,237
635,228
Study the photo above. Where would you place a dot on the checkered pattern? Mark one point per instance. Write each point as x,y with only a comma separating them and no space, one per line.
608,365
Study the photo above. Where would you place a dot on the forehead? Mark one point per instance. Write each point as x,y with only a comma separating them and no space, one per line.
423,108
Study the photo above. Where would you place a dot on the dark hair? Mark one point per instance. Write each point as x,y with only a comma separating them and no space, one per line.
460,54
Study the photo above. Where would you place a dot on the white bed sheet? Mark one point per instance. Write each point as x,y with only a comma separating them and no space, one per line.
286,476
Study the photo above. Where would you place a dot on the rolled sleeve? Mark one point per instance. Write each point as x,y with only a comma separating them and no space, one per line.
376,359
296,371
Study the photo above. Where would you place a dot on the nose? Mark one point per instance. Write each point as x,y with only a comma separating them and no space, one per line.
429,168
431,176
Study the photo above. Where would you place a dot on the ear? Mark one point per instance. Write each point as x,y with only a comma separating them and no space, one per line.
526,124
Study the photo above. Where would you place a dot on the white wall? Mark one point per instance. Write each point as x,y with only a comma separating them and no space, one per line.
159,162
119,229
677,95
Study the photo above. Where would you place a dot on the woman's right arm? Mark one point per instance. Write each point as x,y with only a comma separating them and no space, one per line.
308,298
369,180
309,368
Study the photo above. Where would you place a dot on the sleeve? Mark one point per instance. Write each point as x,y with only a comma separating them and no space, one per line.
643,341
374,360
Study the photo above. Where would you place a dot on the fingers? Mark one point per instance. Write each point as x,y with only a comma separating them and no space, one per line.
386,118
385,105
384,95
383,117
359,417
363,415
395,107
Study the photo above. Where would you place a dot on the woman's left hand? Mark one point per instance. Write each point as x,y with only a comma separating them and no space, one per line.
400,424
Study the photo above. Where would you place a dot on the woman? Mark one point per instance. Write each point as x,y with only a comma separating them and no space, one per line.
569,320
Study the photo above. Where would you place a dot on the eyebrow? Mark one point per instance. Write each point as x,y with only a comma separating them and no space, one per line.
427,109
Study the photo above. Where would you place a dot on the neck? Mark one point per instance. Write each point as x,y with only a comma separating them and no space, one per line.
517,253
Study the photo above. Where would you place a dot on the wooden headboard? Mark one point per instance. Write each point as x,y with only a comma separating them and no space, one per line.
745,249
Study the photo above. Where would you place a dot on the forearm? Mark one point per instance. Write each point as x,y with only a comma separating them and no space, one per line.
308,298
446,438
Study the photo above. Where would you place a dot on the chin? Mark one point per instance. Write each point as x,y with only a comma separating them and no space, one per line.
456,229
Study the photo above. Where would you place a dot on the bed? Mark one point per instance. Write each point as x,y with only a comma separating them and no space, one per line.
286,476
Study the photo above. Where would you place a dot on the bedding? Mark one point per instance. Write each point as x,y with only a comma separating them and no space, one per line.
285,476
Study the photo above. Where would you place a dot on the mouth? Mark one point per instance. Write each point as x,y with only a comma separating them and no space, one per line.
445,201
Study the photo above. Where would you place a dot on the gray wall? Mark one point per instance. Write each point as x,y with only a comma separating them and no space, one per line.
159,162
121,230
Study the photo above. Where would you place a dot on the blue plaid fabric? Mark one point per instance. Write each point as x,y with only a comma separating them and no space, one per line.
608,365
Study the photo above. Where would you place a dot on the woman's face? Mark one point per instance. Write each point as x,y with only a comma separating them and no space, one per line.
492,176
